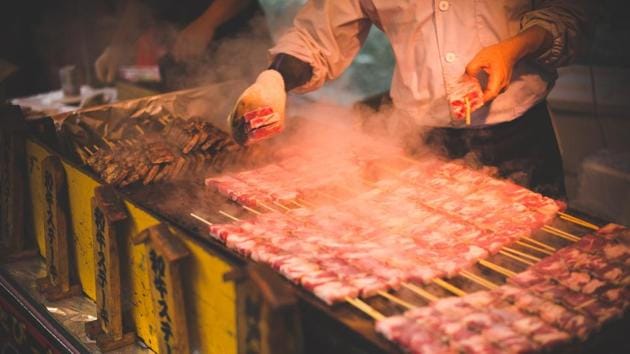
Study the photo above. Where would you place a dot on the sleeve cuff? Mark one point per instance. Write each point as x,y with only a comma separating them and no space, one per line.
294,43
556,55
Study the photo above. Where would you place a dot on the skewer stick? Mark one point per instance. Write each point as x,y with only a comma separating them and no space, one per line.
229,216
280,205
562,234
497,268
109,143
468,109
516,258
449,287
522,254
265,206
538,243
576,220
584,304
479,280
251,210
201,219
421,292
302,204
396,300
539,249
140,130
88,150
365,308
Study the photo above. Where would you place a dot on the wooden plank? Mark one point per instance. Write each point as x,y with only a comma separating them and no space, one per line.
108,214
58,282
166,256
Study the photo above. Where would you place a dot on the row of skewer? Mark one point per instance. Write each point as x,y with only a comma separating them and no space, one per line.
522,257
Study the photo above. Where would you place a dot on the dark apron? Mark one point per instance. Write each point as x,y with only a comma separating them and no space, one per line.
524,150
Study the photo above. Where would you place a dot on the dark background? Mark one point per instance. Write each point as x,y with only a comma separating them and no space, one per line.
41,36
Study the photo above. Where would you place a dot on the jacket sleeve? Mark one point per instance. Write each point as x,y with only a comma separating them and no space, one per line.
326,34
567,22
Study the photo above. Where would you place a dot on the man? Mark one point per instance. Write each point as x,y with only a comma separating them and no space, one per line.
513,46
195,24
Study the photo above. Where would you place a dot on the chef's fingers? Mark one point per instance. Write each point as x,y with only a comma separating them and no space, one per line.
475,66
496,79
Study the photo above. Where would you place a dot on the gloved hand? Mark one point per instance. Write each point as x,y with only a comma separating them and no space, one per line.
259,112
106,66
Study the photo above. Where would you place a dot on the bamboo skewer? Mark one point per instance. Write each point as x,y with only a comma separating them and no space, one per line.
584,304
562,234
516,258
576,220
479,280
365,308
497,268
280,205
396,300
140,130
468,109
265,206
538,243
251,210
201,219
88,150
421,292
522,254
449,287
539,249
109,143
234,218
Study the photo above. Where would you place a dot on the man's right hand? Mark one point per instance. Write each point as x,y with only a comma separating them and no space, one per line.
259,112
106,66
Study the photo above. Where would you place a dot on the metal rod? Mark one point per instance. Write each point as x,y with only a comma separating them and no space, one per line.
396,300
201,219
516,258
365,308
541,250
421,292
229,216
576,220
450,287
522,254
497,268
539,243
479,280
562,234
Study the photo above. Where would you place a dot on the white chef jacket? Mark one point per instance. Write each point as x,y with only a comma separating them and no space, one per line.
433,41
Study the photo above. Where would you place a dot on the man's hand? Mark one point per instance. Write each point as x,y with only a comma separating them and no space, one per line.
259,112
106,66
498,60
193,40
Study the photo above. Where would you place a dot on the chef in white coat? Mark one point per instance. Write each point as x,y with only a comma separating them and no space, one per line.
513,46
